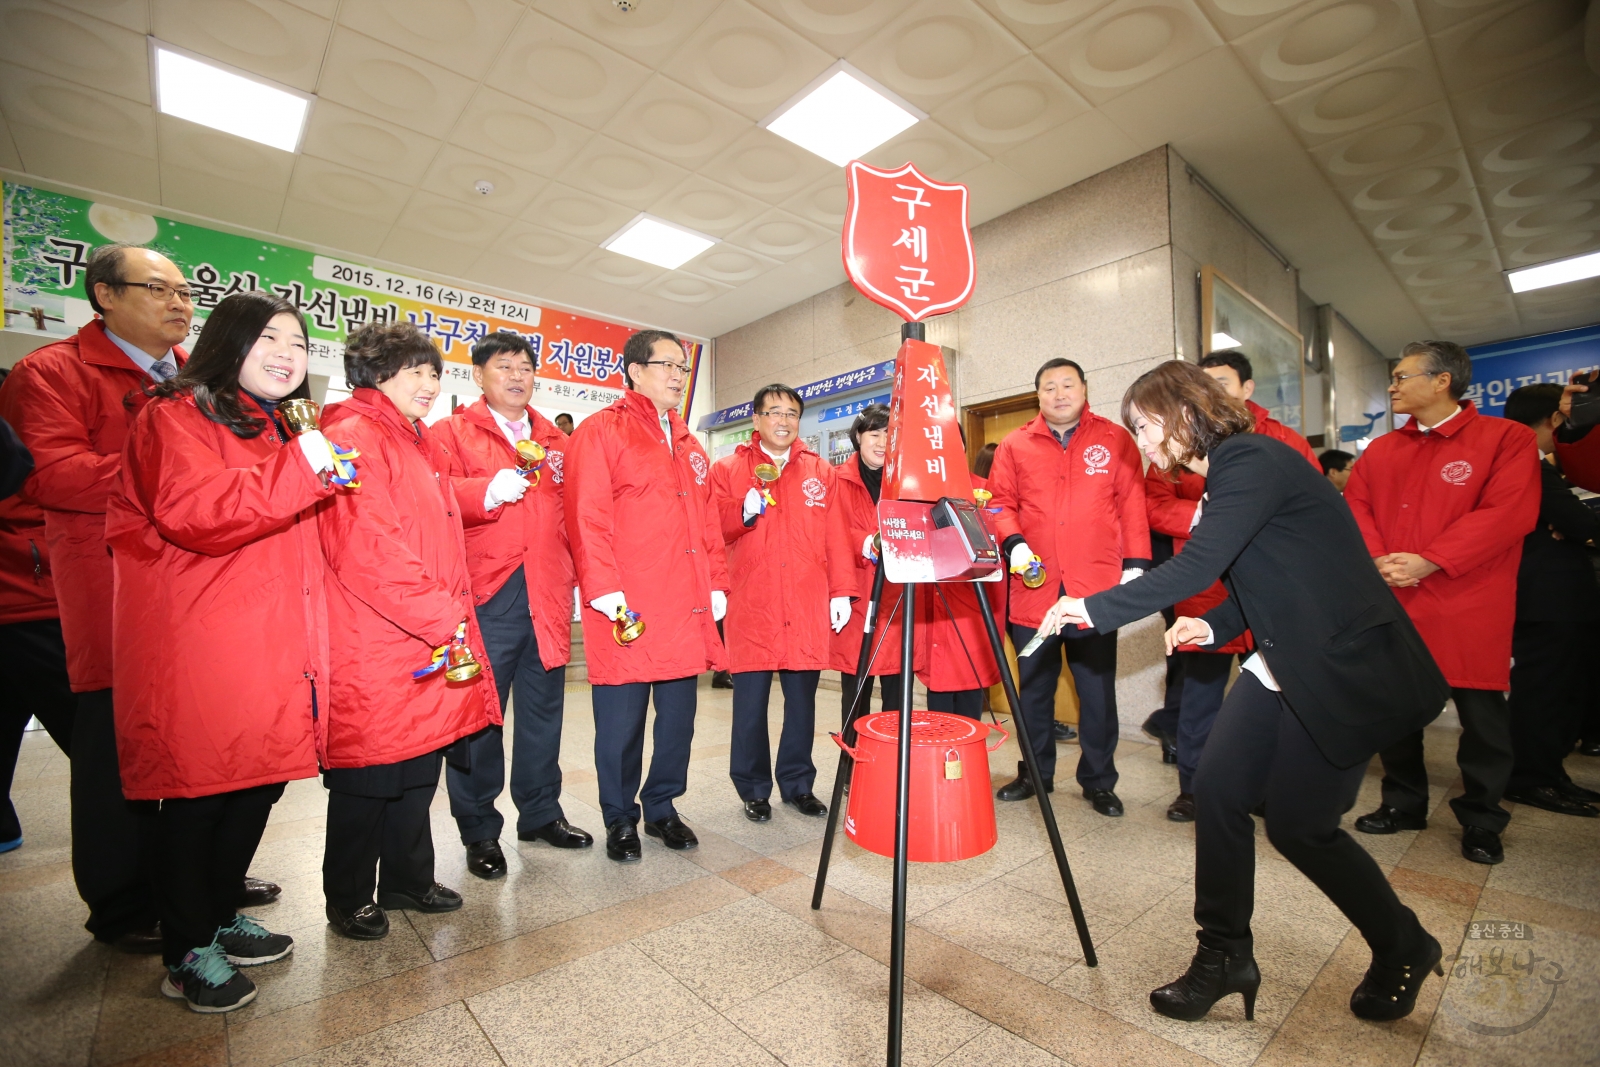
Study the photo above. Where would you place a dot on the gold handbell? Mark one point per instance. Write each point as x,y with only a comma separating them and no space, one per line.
767,472
462,666
982,496
529,455
300,416
628,627
1033,575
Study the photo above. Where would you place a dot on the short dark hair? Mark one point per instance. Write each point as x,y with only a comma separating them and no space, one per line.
105,268
1052,364
1532,404
776,389
379,350
872,417
564,415
1335,460
503,341
637,350
983,462
1192,407
1444,357
1231,358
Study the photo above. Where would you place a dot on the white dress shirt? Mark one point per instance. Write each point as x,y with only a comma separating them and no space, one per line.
142,359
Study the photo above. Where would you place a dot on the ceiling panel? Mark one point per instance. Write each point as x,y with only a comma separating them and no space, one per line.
1543,91
936,49
527,243
1128,43
621,173
461,34
272,38
835,26
780,235
1507,38
668,120
9,156
1036,21
381,80
681,288
644,31
456,173
701,204
364,142
746,59
52,39
559,69
1315,41
526,136
576,212
617,270
936,151
767,167
1353,100
731,266
129,14
1018,102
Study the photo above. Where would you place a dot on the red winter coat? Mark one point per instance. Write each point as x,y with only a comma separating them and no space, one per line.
1081,508
219,623
397,588
786,567
72,403
1580,461
531,534
27,592
641,522
953,650
855,519
1463,496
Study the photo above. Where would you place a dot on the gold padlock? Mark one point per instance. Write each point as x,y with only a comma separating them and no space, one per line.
952,765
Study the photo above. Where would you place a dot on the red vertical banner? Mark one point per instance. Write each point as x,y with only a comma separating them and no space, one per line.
926,457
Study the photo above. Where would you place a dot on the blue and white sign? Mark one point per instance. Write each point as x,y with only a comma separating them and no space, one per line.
847,382
1501,368
851,408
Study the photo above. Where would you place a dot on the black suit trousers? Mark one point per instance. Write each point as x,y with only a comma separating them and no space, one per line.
1092,658
37,660
113,838
1551,690
1483,754
206,845
382,842
750,756
619,721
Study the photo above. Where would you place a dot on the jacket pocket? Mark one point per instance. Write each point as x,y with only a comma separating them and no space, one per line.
1370,618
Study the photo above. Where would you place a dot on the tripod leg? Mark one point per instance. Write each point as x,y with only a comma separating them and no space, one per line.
902,818
1025,743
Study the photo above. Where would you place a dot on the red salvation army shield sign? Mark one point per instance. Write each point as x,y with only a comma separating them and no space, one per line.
906,242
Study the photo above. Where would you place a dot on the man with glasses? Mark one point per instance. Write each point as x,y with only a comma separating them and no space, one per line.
1444,503
790,594
648,550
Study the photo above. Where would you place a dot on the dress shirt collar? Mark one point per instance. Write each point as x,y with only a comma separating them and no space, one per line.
141,359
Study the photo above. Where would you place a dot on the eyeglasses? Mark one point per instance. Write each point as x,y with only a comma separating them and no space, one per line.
1398,378
680,370
161,290
780,416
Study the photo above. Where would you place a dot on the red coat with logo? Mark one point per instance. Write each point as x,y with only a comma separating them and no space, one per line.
1463,496
784,568
531,533
953,650
1081,508
855,519
219,624
641,522
72,403
397,589
27,592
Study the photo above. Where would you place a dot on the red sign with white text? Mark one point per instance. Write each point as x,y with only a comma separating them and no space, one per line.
926,458
906,244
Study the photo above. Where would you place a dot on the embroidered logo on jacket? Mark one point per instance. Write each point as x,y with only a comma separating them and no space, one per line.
698,462
1096,459
1456,472
816,493
555,460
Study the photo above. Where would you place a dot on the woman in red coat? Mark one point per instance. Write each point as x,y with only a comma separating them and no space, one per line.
217,629
397,591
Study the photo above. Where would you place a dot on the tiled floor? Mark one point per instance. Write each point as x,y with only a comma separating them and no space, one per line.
714,957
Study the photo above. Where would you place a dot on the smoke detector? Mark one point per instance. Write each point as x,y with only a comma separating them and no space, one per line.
484,188
625,6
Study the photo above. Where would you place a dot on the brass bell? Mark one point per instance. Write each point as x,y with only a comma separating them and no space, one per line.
1033,575
300,416
530,455
767,472
628,627
462,666
982,496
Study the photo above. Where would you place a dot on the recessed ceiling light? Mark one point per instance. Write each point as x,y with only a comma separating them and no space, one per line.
842,115
1220,341
1559,272
653,240
188,86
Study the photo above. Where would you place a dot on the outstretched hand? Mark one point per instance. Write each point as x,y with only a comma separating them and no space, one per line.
1067,610
1187,631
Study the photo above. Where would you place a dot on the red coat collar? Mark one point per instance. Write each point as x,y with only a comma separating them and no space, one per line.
98,350
1037,425
540,429
643,408
376,405
1469,411
752,449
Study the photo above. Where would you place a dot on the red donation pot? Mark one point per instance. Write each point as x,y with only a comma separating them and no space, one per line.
951,814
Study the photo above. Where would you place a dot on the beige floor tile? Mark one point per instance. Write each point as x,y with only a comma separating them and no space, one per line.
1104,886
325,963
447,1035
1030,934
714,1043
495,910
136,1019
55,1019
995,1047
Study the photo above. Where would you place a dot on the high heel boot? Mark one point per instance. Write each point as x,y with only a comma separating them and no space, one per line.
1212,975
1390,991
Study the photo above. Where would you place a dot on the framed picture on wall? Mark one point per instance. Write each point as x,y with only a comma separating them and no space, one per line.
1231,318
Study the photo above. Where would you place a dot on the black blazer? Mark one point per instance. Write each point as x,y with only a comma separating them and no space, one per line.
1283,541
1556,581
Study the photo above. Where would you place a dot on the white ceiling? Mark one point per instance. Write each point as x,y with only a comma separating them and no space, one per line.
1401,152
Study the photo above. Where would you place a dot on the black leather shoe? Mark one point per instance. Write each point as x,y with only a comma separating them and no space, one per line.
808,804
485,859
1212,975
366,923
1104,800
721,680
1589,748
1550,799
758,810
558,832
257,892
673,832
1168,743
1182,809
1390,992
1063,733
436,898
1019,788
139,942
622,842
1573,791
1481,846
1387,820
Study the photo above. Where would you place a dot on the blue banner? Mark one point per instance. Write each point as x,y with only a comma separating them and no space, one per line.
851,408
847,382
1501,368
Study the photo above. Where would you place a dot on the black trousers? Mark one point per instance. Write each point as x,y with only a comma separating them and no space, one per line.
750,756
1483,754
968,702
1092,658
888,692
382,842
1165,718
535,716
1551,690
113,839
1205,682
1258,750
205,845
36,662
619,717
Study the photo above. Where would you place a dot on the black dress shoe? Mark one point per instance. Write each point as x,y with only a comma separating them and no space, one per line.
1168,743
257,892
1019,788
139,942
1182,809
485,859
558,832
1589,748
721,680
673,832
1104,800
1550,799
1387,820
1212,975
808,804
1389,992
1481,846
622,842
758,810
436,898
1063,733
366,923
1573,791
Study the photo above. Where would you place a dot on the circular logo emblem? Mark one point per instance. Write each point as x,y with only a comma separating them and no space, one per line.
1456,472
816,493
1096,459
698,462
554,460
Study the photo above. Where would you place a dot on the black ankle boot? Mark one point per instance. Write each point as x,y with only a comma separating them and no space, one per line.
1212,975
1390,992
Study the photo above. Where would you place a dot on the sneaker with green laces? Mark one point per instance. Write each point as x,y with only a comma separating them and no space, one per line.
248,943
208,982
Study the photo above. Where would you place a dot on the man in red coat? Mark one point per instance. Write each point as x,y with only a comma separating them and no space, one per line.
522,581
1070,488
791,592
648,548
1233,372
1444,503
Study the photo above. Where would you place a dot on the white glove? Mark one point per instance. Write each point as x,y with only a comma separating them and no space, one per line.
609,604
1130,574
506,487
866,549
719,605
318,452
839,612
753,506
1199,506
1021,556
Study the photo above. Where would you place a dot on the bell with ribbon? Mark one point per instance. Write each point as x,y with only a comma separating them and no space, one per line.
627,627
454,658
1032,572
766,474
530,459
301,416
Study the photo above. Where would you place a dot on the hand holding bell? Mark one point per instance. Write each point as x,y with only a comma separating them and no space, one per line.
530,459
302,416
766,474
454,658
627,627
1032,572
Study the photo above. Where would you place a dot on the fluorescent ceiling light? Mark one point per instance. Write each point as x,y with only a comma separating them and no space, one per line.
1220,341
190,87
1557,273
842,115
658,241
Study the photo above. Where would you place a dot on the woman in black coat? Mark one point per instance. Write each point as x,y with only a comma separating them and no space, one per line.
1339,673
